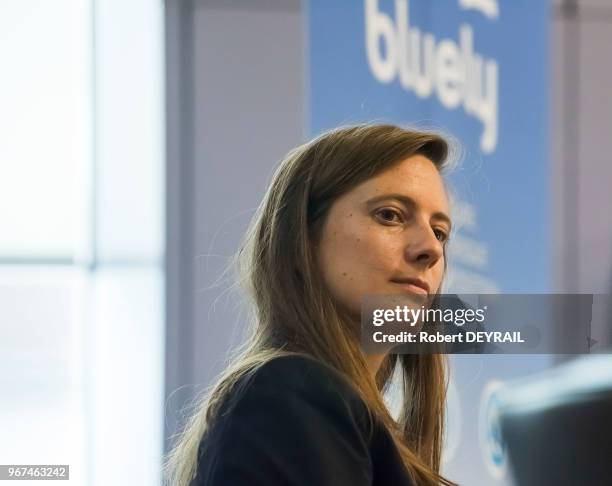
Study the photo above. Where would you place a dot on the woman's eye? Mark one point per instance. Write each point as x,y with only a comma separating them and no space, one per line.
440,235
389,215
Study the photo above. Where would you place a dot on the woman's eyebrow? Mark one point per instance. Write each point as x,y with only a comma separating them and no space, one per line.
410,203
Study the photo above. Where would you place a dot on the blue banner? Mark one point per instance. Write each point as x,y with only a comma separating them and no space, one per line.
477,69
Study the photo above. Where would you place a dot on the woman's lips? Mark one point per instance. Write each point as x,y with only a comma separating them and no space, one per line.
412,285
412,288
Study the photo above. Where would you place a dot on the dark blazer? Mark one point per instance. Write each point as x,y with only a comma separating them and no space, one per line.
297,422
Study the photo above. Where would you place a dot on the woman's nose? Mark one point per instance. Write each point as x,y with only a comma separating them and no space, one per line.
423,247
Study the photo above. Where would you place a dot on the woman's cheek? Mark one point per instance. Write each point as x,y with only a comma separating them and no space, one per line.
359,259
384,249
372,263
439,272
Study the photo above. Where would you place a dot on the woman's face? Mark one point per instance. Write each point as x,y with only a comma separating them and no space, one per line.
387,235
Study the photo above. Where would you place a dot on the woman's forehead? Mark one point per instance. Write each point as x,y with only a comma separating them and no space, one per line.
415,177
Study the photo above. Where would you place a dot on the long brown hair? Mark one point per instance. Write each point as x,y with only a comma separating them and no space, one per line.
293,311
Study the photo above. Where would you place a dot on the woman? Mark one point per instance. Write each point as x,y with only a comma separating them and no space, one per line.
358,210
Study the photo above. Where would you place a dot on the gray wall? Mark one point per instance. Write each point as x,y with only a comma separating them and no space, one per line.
235,107
582,172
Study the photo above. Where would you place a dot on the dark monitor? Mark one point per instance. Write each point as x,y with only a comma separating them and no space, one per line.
557,427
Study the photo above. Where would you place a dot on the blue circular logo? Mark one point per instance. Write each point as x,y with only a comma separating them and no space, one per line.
491,443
